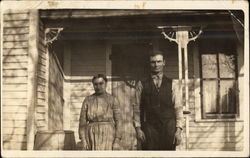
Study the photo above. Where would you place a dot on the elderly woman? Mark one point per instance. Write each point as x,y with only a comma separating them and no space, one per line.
100,118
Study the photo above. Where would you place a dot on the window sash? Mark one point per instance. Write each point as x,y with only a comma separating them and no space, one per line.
218,113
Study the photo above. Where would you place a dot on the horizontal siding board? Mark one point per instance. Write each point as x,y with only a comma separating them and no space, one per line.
14,80
14,123
41,95
77,99
15,58
41,88
214,134
19,51
10,73
19,44
41,123
14,138
14,116
216,124
16,108
40,116
17,23
15,16
15,31
41,74
42,48
14,95
15,38
76,106
215,129
42,55
80,94
41,109
17,131
14,145
75,117
212,145
14,87
14,102
81,86
41,101
231,139
15,65
41,80
42,61
218,149
41,68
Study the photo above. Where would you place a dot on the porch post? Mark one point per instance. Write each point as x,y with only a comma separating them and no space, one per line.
66,86
182,39
32,77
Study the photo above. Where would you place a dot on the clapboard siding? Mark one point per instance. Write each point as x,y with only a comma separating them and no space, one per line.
42,83
55,100
12,51
15,64
219,136
14,145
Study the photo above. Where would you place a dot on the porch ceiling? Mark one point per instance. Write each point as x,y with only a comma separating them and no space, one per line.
130,20
87,24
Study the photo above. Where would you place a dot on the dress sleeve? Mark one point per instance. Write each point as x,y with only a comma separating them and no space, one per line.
83,121
137,104
117,117
177,103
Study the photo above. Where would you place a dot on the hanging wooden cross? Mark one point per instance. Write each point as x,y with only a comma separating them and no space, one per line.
182,35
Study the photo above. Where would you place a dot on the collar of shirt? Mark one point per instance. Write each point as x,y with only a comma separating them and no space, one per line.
157,76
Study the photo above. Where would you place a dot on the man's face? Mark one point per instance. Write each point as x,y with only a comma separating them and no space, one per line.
99,85
157,63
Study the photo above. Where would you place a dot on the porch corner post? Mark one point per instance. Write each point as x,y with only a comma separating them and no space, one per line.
66,86
32,76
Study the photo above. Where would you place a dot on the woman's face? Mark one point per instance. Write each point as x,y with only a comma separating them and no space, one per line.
99,85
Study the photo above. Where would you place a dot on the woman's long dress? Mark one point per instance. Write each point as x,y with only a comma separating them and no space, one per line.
100,122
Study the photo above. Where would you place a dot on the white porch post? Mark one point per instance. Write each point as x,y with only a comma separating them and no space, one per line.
182,39
32,77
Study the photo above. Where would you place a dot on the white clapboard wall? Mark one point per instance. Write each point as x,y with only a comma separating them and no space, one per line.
14,90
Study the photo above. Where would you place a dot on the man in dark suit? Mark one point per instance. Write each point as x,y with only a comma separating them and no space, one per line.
158,115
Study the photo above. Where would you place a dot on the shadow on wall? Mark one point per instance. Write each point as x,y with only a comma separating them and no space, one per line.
15,59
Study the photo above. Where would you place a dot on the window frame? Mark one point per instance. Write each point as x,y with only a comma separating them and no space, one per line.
219,114
239,55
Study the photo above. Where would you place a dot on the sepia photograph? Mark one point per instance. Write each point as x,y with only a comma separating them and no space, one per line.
124,78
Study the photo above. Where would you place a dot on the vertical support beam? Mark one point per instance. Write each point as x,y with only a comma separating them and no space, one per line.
47,89
109,66
180,72
186,94
32,77
66,85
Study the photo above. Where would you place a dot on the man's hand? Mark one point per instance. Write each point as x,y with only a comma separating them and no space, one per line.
116,145
140,134
178,138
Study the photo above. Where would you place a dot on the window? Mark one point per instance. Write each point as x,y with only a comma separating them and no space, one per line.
218,79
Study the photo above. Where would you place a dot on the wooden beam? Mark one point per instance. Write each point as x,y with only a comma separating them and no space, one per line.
66,86
77,13
32,78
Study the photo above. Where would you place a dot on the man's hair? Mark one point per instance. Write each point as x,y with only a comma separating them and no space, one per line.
100,76
157,52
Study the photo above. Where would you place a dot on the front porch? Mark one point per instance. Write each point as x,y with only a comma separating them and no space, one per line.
74,45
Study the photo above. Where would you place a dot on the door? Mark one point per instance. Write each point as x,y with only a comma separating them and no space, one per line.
129,64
